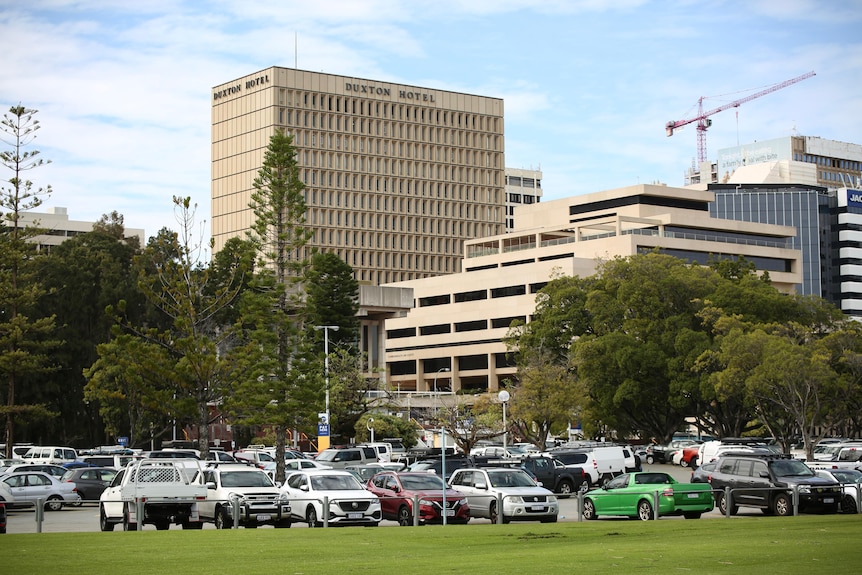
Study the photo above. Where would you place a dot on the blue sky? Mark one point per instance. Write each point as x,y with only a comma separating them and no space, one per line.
123,89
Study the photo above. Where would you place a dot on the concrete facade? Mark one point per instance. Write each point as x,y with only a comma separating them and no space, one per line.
452,339
397,177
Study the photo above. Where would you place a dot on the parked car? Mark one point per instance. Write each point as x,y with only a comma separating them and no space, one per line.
221,456
28,487
632,495
664,453
90,482
341,457
687,456
260,501
397,491
703,473
849,479
52,470
435,464
349,502
768,481
523,499
113,460
256,457
53,455
6,494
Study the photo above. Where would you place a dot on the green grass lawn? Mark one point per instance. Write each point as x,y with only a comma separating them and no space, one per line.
761,545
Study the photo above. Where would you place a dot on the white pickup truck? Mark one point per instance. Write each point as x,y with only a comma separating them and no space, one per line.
155,491
849,457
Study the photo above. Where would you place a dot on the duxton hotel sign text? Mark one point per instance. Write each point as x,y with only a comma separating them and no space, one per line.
237,88
380,91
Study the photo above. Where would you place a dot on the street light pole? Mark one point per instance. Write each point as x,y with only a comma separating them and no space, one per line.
326,329
503,396
435,390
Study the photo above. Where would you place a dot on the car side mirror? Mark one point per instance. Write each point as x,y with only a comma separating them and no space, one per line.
605,487
480,485
303,487
211,485
764,474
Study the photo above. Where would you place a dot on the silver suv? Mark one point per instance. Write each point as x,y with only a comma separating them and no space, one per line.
250,490
341,457
523,499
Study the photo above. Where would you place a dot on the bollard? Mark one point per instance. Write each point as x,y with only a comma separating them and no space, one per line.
580,508
139,509
655,504
728,502
499,509
234,507
795,500
858,498
416,510
40,514
326,511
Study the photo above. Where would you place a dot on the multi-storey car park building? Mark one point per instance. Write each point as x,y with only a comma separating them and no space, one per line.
452,339
58,227
397,177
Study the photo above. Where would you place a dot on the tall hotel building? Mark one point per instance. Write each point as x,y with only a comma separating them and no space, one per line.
397,177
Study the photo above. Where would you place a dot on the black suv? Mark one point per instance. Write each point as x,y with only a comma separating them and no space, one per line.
767,481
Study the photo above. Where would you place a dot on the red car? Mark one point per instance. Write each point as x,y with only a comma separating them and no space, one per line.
397,491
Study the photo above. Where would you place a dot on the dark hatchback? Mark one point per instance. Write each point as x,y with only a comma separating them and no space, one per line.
768,482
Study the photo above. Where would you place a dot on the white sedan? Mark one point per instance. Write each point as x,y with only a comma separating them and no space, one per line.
28,487
349,502
850,479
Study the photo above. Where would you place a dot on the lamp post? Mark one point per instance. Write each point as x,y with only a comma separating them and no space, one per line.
435,390
503,396
326,329
370,427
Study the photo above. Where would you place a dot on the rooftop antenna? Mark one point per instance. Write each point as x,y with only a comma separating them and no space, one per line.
295,50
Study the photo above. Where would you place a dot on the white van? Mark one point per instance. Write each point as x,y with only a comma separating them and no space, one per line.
383,449
51,455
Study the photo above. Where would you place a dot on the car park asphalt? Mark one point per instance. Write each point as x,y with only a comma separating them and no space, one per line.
86,517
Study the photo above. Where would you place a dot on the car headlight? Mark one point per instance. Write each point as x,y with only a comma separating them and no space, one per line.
552,498
515,499
804,489
462,502
235,497
426,502
283,498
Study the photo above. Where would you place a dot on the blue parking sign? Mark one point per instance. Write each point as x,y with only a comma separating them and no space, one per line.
322,430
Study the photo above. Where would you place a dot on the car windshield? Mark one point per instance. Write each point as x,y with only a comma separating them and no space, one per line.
847,475
245,479
421,466
507,478
421,482
335,483
791,468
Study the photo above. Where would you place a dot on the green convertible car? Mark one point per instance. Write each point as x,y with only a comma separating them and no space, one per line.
634,495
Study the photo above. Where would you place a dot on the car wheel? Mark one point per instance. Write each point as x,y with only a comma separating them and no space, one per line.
221,520
404,517
848,504
691,515
590,510
566,488
605,479
644,510
311,517
650,459
54,503
104,524
492,513
683,463
722,505
781,505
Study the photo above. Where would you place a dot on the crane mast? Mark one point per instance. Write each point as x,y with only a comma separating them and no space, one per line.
703,121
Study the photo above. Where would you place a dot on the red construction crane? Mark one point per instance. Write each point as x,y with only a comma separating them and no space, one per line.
703,123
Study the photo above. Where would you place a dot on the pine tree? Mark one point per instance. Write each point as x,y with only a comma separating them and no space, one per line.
25,338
